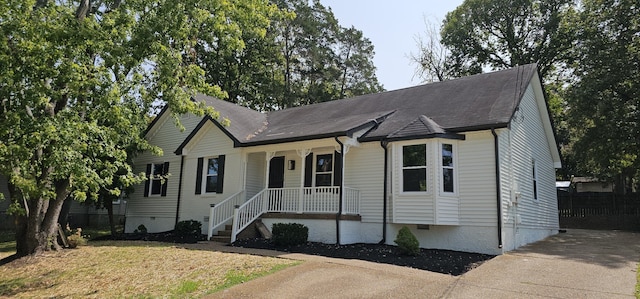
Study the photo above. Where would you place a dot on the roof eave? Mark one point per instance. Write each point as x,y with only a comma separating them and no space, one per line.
292,139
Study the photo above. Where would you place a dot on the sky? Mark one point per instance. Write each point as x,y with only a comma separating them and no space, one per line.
392,27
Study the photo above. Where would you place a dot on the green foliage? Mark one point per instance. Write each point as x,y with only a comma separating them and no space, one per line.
289,234
140,230
407,242
499,34
605,98
79,83
189,230
303,57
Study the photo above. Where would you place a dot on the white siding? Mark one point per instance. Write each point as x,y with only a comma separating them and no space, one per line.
529,142
158,213
413,207
292,176
476,172
364,170
209,142
255,173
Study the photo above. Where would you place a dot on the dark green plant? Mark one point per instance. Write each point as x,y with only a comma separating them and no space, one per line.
407,242
188,230
141,229
289,234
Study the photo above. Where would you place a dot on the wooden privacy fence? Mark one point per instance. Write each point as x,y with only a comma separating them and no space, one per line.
599,211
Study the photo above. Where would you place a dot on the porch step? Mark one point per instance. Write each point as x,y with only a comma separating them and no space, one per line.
224,233
221,239
251,231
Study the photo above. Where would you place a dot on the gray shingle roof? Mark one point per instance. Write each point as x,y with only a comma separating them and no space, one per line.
475,102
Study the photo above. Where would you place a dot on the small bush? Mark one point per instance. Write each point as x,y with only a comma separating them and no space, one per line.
141,229
289,234
188,231
407,242
75,238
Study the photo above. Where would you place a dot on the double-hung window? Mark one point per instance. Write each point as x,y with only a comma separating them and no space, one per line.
156,179
157,182
210,175
324,170
414,168
448,168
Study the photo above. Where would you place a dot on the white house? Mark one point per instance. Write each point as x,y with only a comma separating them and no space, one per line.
466,164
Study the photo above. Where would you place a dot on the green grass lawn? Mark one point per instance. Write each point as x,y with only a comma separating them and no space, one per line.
127,269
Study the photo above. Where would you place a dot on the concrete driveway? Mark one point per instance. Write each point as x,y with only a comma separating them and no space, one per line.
576,264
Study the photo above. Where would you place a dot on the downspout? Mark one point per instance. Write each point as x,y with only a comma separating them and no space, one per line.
180,190
498,195
384,144
340,195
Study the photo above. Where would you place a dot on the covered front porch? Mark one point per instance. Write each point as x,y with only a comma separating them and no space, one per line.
279,180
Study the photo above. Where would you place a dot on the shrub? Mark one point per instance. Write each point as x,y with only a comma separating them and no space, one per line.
188,231
141,229
407,242
75,238
289,234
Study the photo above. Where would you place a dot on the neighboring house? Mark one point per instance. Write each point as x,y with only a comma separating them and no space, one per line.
80,214
589,184
466,164
564,186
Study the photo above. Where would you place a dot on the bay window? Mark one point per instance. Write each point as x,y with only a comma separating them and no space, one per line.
414,168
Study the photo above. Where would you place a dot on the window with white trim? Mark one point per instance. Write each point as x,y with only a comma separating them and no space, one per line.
414,168
448,168
324,170
211,175
157,178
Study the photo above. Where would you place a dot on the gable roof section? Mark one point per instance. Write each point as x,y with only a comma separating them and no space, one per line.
422,127
441,109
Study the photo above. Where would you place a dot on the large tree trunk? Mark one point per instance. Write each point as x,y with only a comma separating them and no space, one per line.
108,204
37,231
63,219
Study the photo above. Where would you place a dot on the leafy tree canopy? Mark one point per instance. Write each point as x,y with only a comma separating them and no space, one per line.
604,100
305,57
499,34
77,80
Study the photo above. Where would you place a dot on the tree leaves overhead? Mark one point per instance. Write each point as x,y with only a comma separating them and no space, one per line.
304,57
605,99
500,34
77,80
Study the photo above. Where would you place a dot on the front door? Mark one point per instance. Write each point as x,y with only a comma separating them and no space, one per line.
276,172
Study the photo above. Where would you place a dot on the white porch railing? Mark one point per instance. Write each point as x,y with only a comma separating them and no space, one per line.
288,200
222,212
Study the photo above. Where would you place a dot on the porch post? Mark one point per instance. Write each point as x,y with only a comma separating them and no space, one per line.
303,153
342,186
268,156
342,193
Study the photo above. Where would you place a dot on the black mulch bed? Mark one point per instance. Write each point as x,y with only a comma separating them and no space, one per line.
435,260
167,237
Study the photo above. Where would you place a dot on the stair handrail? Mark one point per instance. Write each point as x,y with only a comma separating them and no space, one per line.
245,214
222,212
